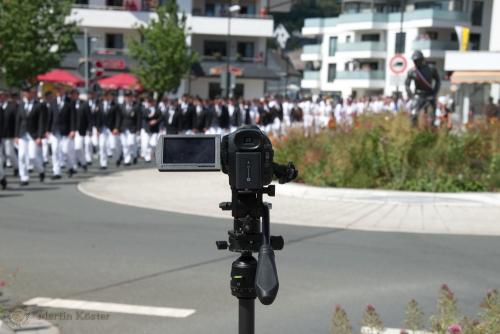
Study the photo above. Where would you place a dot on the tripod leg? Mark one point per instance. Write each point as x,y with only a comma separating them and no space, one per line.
247,316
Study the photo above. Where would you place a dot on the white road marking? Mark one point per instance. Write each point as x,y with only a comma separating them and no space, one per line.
110,307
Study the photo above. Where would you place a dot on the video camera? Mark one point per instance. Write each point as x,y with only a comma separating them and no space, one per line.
246,156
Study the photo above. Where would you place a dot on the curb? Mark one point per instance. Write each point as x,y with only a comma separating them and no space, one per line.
32,326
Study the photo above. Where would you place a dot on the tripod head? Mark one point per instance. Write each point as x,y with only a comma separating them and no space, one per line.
247,157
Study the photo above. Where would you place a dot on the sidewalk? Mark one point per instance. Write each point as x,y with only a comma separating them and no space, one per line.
295,204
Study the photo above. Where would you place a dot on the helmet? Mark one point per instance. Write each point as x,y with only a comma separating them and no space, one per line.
417,55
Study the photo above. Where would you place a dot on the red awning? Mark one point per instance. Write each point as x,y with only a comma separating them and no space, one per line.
121,81
62,77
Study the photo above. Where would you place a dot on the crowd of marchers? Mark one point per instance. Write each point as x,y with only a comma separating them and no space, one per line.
63,131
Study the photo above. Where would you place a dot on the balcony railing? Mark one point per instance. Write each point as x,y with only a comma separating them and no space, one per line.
434,14
311,75
434,45
361,46
419,14
361,75
109,51
232,59
312,49
103,7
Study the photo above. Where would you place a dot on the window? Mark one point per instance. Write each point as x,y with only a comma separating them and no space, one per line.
454,37
114,3
475,42
248,9
428,5
81,2
458,5
332,72
368,66
214,90
238,91
333,46
114,41
348,39
433,35
477,13
215,48
246,49
370,38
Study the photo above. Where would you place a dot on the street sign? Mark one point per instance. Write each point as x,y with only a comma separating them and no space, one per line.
398,64
281,35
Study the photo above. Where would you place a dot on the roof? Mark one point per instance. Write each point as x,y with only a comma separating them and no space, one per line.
279,63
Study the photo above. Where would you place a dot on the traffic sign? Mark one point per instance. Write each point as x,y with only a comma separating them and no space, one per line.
281,35
398,64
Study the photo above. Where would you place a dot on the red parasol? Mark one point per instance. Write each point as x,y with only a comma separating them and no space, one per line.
121,81
61,76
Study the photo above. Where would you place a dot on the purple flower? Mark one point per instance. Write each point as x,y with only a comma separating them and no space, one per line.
455,329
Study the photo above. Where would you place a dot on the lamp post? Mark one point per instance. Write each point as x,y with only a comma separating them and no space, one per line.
232,9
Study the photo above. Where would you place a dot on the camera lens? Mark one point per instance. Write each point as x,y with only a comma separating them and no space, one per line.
248,140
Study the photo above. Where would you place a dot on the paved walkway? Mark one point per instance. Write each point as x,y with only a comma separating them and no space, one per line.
372,210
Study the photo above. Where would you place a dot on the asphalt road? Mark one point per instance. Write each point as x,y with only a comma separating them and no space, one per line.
68,245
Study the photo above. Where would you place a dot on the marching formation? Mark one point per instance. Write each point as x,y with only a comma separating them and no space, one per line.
64,131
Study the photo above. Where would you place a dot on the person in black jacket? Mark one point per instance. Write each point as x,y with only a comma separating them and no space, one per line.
53,133
30,129
3,179
189,116
151,118
83,129
129,124
106,124
10,108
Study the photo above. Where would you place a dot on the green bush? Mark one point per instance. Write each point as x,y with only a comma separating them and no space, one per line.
385,151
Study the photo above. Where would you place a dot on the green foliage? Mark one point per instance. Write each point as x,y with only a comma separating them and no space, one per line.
34,37
446,311
414,316
489,318
163,55
340,322
371,319
385,151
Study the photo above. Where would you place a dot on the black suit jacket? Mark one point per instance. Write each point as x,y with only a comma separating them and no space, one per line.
83,118
107,118
62,120
129,117
189,118
31,122
2,112
9,120
147,116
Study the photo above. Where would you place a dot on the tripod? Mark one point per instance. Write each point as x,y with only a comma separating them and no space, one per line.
251,278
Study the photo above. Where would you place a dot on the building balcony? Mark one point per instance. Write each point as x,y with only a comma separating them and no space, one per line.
311,80
368,20
434,49
361,46
105,17
363,50
311,53
251,26
361,79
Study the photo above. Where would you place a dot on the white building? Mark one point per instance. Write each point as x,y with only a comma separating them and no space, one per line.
354,50
476,74
110,24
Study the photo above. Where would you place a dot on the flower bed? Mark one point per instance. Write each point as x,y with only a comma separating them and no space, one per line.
386,152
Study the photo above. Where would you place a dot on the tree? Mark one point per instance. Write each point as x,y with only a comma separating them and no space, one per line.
163,55
34,37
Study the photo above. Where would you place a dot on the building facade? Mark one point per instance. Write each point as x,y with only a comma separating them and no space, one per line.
353,51
110,24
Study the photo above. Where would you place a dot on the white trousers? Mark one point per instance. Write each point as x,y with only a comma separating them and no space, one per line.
68,152
55,146
10,152
2,172
108,145
129,146
148,144
45,149
83,149
29,152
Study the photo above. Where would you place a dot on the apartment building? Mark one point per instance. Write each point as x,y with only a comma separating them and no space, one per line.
110,24
353,50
